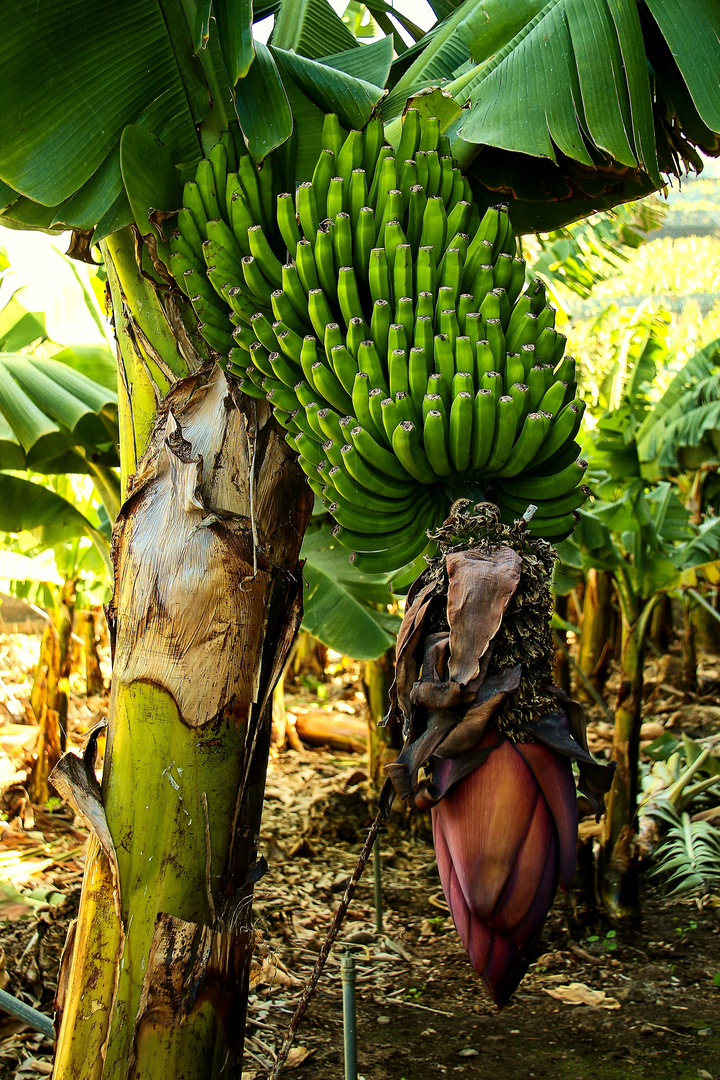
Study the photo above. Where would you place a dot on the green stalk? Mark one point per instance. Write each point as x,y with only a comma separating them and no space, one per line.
206,601
619,881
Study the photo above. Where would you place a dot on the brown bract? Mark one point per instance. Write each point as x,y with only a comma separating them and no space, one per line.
441,689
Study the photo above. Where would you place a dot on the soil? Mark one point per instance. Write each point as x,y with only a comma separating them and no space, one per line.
653,989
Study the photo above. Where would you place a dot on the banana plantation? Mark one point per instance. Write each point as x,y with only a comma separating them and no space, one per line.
360,539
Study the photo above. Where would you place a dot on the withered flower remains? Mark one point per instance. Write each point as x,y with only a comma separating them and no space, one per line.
489,742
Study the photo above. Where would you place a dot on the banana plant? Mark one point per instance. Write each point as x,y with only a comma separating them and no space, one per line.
576,258
643,535
208,591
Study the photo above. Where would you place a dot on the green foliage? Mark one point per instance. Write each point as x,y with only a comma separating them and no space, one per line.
688,859
346,610
528,109
575,259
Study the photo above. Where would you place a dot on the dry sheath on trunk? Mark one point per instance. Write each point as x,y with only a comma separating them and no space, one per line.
207,599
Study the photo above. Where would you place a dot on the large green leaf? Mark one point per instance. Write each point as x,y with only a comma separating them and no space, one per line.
331,89
19,327
25,505
265,128
371,62
545,90
92,361
310,28
693,388
151,180
234,20
339,601
692,30
46,409
73,80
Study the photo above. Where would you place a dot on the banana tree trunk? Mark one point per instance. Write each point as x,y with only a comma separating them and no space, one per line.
207,599
619,878
384,744
594,626
93,675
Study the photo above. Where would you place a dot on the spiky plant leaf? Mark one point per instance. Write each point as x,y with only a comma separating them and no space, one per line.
688,859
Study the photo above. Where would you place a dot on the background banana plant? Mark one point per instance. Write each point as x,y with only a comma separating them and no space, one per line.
650,544
106,109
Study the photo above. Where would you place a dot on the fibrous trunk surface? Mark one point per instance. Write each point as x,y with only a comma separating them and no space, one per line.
207,598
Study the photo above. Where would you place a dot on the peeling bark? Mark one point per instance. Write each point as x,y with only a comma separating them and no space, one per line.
207,600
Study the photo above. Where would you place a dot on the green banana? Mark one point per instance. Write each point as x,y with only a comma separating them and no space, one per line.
435,441
305,263
483,429
378,277
322,175
526,446
350,517
380,540
417,376
361,406
205,180
398,372
552,399
563,431
319,311
329,422
444,359
248,177
369,361
548,487
555,529
380,324
506,425
434,227
415,211
328,384
371,478
409,452
376,455
307,211
287,223
357,195
345,366
357,333
192,200
484,360
325,264
391,417
342,240
547,508
461,424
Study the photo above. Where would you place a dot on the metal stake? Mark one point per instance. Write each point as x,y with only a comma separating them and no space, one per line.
347,975
378,889
34,1019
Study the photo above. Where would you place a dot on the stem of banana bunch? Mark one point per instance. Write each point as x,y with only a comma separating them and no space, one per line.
206,601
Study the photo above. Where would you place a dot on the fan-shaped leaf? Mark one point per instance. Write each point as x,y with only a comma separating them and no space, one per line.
46,409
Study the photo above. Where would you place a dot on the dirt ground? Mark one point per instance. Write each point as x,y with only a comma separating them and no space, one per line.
599,1002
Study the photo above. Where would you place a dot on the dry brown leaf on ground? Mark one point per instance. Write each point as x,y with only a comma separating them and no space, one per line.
580,994
274,973
298,1055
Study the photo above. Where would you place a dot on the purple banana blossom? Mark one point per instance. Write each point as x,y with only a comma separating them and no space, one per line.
505,837
489,743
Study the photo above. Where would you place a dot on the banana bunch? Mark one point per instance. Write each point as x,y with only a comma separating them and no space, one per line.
389,326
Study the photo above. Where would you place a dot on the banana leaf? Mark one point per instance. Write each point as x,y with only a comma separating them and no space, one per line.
342,608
